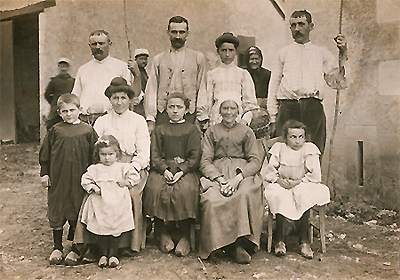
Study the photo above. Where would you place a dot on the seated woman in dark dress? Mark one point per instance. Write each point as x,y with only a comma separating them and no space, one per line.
171,194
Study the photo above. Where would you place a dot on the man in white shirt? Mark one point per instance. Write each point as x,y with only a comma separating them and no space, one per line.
298,76
94,77
179,69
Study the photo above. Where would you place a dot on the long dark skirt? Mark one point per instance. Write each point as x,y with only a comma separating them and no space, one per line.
176,202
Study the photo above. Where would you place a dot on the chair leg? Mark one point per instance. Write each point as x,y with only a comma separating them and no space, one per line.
193,236
143,245
311,226
269,229
322,220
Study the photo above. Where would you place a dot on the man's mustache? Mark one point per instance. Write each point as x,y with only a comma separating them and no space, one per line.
97,51
177,40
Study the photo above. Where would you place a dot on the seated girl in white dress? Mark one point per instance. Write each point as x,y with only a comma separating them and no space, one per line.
107,212
292,181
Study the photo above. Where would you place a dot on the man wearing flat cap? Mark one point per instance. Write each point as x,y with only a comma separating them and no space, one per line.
141,58
93,77
58,85
177,70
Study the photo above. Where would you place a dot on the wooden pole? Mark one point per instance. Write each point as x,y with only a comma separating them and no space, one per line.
337,105
126,31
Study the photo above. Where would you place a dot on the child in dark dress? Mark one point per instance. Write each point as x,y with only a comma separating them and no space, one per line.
171,194
65,154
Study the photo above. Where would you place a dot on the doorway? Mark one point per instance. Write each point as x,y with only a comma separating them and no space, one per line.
26,77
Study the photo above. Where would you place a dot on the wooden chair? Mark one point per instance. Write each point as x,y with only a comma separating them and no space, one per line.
319,225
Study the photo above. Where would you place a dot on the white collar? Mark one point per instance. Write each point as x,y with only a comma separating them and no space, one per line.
172,50
102,61
181,121
119,115
78,121
230,65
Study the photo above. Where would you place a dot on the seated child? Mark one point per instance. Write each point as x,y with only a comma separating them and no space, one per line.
171,194
292,181
65,154
107,212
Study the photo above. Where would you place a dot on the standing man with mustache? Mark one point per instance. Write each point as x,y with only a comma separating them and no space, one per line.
177,70
298,76
94,77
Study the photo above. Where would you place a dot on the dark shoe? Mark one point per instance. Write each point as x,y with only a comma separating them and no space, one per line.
241,255
280,249
183,247
56,257
306,251
166,243
103,261
113,262
89,257
71,259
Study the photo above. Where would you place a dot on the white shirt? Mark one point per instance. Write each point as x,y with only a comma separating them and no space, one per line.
92,80
229,82
132,133
298,73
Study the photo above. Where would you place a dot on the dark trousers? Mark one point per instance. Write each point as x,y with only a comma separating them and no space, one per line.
309,111
283,227
162,118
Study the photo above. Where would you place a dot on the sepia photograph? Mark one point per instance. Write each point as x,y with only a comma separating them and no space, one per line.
199,139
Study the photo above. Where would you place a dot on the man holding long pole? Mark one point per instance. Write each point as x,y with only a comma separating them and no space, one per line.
298,76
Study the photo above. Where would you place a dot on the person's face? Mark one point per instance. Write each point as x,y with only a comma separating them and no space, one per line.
254,61
142,61
227,53
229,111
300,29
120,102
100,46
69,112
177,34
176,109
296,138
108,155
63,67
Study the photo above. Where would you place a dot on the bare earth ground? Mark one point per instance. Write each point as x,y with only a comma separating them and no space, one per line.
355,250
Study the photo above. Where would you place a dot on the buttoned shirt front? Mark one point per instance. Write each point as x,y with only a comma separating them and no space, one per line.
299,73
131,131
92,80
175,71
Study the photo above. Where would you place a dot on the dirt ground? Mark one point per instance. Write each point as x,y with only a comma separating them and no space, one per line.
362,244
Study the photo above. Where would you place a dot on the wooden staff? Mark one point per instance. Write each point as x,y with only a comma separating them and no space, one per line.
337,104
126,31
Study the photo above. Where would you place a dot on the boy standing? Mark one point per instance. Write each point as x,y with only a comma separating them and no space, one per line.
64,156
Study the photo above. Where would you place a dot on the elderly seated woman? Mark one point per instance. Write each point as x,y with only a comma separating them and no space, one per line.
231,199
